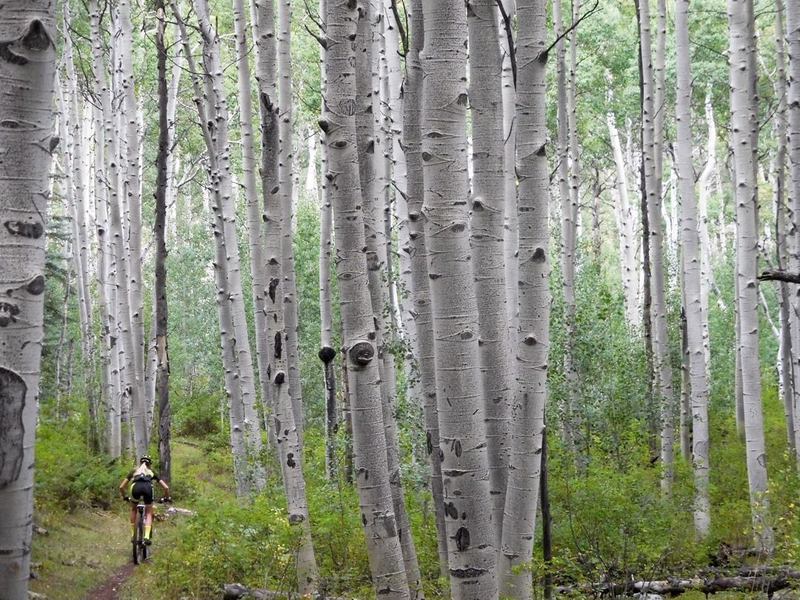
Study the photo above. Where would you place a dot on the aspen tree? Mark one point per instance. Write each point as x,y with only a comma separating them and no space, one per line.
77,191
569,217
486,228
327,353
27,73
412,140
625,214
533,339
369,441
793,118
373,198
652,180
744,124
285,431
470,530
131,187
161,307
690,241
511,229
781,132
254,212
286,187
706,188
103,175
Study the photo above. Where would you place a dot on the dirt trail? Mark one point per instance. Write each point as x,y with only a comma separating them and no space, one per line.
110,589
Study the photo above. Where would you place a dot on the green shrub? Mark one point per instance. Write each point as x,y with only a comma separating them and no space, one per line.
68,475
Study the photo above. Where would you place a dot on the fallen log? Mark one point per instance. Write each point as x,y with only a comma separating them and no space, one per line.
235,591
752,579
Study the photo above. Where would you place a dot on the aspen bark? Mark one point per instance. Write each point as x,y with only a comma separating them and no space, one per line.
569,213
781,253
706,188
286,432
470,531
488,213
412,139
651,159
511,228
369,441
132,190
286,186
626,226
793,118
690,244
27,73
285,429
327,353
254,211
533,339
102,176
373,198
74,142
161,308
744,123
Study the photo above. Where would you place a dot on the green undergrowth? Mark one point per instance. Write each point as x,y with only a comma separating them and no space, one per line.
610,520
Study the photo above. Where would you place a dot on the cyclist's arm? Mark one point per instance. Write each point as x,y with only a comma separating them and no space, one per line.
165,486
123,486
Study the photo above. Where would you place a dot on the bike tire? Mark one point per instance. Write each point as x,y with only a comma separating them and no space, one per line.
139,551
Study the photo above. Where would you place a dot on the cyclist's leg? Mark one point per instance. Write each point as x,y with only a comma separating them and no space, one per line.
148,512
133,521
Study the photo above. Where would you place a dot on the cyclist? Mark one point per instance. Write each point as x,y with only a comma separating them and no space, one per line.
139,486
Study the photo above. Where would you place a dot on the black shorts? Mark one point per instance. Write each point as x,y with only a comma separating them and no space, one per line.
142,490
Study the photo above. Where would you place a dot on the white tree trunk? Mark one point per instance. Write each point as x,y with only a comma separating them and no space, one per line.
132,190
533,338
511,229
102,177
691,252
651,150
470,531
27,70
419,272
744,124
254,210
286,187
781,249
793,104
488,214
626,217
568,191
369,440
706,189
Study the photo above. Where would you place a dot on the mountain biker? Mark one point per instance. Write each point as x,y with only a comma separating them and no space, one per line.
141,488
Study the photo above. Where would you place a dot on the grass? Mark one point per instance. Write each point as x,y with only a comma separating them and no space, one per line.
81,550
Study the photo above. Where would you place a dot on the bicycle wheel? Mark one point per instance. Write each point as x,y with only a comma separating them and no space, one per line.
139,551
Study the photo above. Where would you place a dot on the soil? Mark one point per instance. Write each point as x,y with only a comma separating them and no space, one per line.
110,589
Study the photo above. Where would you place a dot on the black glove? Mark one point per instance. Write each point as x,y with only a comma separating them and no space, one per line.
166,499
126,498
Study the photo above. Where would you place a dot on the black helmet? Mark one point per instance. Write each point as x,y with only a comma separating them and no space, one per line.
146,459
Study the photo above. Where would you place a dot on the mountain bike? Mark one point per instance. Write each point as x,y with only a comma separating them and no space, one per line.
139,547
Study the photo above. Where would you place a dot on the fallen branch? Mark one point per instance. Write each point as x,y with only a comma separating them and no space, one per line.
776,275
764,579
234,591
